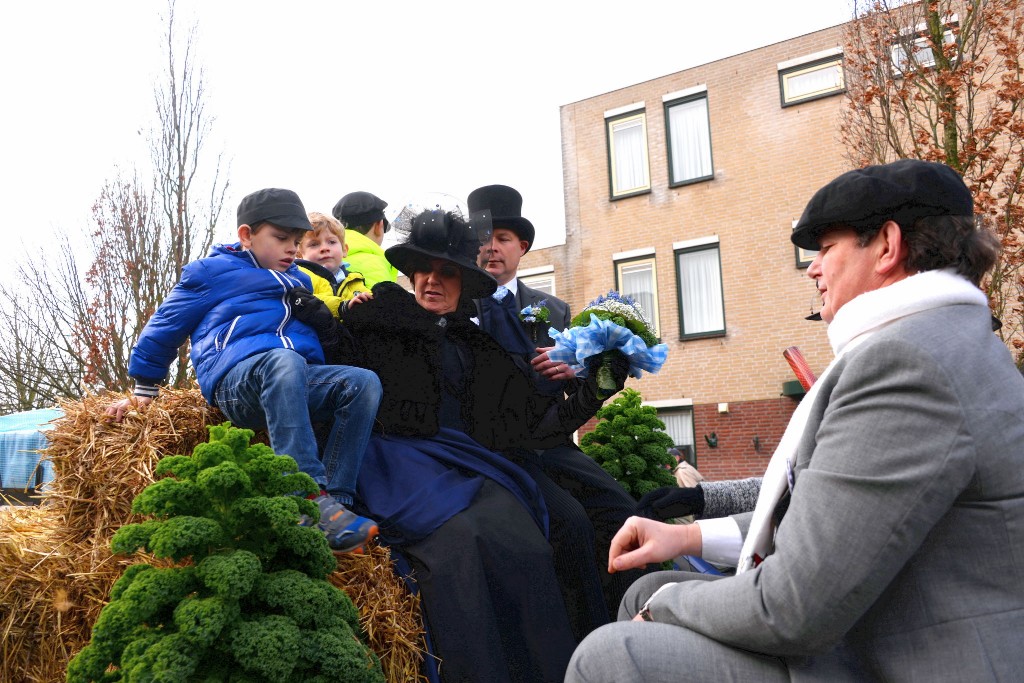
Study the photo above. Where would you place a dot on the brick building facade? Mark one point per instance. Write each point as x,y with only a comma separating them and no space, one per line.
683,190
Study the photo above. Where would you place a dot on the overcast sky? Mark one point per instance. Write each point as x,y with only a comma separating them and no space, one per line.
398,98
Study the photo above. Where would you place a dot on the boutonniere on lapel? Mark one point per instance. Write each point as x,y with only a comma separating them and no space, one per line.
534,316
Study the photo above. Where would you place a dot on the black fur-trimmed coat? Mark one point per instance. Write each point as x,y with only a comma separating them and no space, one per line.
402,342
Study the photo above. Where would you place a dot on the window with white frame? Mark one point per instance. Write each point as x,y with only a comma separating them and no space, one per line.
811,77
629,169
541,278
689,136
679,425
699,281
913,50
636,276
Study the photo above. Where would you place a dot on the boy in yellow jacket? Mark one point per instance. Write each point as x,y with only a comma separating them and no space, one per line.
321,256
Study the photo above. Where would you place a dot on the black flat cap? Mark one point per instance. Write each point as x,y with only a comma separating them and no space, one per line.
273,205
359,208
902,191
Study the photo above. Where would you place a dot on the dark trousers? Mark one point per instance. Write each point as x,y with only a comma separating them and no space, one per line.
586,507
490,596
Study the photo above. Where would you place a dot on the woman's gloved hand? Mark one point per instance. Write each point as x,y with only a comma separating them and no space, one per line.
309,309
607,373
669,502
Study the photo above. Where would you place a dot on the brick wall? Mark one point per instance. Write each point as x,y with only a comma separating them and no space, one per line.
768,161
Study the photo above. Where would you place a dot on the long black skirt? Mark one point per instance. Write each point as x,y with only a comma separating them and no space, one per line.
490,595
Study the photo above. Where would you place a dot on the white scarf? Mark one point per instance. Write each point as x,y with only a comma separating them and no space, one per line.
857,320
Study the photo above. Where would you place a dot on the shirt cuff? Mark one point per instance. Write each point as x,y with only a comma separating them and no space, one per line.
721,540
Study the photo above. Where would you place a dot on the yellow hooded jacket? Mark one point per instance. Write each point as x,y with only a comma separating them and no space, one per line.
327,289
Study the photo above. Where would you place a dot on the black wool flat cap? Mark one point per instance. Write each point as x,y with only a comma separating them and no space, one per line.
273,205
902,191
359,208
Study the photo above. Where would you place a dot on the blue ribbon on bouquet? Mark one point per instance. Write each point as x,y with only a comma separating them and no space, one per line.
576,344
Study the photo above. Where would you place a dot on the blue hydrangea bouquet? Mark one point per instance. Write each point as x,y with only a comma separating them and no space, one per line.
610,324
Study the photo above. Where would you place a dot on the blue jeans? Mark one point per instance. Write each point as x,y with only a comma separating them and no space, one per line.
279,391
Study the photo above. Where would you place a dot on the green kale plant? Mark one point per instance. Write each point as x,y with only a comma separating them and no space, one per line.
630,444
254,603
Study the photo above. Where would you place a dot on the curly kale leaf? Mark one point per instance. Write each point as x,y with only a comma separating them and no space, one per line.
267,645
167,658
169,497
224,483
309,603
339,652
231,574
131,537
201,620
177,466
181,537
275,475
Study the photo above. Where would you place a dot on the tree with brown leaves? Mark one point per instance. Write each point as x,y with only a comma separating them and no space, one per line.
941,81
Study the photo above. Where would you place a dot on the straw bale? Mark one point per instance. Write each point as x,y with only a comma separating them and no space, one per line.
56,568
389,615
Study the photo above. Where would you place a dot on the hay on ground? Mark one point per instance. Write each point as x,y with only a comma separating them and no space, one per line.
56,568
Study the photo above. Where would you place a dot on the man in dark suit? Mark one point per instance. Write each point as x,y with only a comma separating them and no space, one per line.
512,236
586,505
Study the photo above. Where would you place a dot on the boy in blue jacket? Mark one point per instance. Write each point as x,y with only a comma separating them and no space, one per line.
263,368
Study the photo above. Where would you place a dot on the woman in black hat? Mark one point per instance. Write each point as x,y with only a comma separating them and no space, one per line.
471,524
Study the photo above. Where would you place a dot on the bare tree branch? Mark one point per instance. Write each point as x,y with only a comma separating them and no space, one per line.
78,337
941,80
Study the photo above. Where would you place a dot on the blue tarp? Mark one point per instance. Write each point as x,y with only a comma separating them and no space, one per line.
22,435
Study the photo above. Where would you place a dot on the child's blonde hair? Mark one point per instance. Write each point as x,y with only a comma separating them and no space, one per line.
320,223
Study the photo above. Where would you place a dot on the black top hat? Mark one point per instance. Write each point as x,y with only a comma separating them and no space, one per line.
505,205
863,199
360,208
445,235
273,205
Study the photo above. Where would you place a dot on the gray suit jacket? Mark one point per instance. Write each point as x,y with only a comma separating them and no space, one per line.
901,555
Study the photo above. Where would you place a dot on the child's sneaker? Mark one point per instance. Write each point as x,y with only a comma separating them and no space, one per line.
346,531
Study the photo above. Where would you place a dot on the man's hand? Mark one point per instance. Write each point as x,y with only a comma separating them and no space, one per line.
642,541
549,369
120,409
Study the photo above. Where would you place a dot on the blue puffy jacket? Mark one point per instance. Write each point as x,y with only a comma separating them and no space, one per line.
232,309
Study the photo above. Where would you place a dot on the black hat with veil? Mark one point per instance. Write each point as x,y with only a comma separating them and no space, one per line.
436,227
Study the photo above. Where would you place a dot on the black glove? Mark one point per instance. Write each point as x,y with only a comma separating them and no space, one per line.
311,310
607,373
669,502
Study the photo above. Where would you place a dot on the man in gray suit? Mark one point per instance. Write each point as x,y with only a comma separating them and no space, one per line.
585,504
888,538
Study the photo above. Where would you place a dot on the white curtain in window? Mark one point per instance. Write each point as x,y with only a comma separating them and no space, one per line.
678,425
818,80
637,281
630,162
691,140
541,284
700,279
